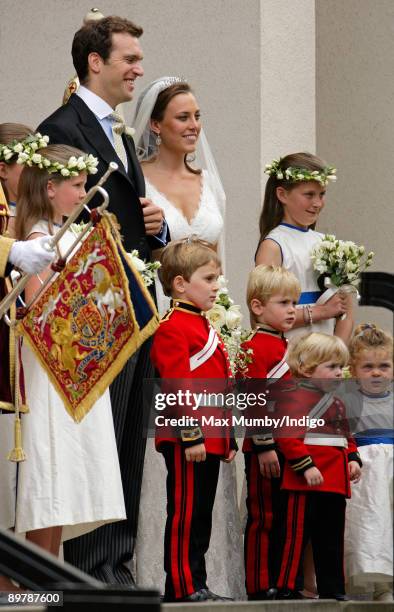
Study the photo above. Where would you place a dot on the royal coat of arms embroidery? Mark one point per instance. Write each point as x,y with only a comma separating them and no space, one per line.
90,320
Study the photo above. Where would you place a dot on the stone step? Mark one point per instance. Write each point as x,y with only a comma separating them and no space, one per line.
279,606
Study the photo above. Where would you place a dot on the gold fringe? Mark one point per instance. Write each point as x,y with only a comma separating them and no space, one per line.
17,454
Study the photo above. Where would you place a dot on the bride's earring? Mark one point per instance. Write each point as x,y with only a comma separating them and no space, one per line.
158,140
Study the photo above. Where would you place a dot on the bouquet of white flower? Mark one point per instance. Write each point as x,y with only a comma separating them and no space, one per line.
147,269
340,261
226,318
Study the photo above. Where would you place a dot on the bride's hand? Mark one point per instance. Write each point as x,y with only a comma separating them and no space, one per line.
153,217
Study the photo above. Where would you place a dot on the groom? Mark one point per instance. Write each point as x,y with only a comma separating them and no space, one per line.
107,57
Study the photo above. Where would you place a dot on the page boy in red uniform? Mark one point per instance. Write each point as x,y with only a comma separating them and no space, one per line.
272,295
319,465
185,347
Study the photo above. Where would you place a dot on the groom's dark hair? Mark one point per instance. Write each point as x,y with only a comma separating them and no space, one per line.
96,37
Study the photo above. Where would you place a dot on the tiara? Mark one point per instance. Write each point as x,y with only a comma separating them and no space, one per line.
73,167
28,146
168,81
294,174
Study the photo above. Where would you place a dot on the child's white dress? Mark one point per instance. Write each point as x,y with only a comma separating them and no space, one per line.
369,516
71,476
296,245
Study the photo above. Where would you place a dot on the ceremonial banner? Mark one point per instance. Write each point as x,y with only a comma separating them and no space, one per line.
90,320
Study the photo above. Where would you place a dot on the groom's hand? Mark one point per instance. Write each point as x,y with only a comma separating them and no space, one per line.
153,217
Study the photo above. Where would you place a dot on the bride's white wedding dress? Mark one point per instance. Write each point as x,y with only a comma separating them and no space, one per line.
225,556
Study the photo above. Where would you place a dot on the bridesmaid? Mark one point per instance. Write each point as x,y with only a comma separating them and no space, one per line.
181,177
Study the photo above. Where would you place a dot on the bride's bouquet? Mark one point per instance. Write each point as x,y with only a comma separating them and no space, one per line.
340,264
226,318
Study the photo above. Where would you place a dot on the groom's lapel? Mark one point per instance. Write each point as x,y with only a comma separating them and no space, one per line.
134,166
97,138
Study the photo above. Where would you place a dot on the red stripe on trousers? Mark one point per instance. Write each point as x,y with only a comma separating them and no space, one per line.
181,525
185,562
175,566
298,536
261,516
295,517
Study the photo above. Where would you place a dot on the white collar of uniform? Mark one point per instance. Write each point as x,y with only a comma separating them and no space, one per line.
97,105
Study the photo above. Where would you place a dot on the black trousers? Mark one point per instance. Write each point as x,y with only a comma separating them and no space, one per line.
319,517
262,528
104,552
191,490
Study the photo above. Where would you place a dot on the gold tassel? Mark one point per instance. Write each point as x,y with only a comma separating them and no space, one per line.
17,454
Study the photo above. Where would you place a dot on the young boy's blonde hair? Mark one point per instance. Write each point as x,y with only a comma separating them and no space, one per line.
182,258
307,352
369,337
266,281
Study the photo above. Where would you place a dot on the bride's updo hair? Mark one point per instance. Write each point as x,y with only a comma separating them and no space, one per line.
165,97
163,100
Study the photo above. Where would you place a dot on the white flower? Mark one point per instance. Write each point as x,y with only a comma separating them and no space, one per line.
233,317
72,161
7,154
93,170
80,163
217,316
22,157
33,145
65,172
36,158
138,263
18,148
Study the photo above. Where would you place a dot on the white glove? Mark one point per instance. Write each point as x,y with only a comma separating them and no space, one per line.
31,256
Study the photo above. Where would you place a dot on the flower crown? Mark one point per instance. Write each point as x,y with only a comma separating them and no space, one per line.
28,146
294,174
73,167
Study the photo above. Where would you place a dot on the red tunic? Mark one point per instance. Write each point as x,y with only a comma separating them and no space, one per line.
183,334
269,348
332,461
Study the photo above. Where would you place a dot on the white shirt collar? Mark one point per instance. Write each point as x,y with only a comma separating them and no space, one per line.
97,105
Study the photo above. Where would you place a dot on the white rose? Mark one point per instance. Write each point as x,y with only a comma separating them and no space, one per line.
217,316
22,157
7,154
138,263
18,148
233,317
350,266
93,171
72,161
36,158
81,163
65,172
33,145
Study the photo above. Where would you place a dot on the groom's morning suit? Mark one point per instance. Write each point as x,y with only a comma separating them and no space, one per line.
104,551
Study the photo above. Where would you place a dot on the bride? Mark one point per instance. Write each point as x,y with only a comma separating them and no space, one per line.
168,136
